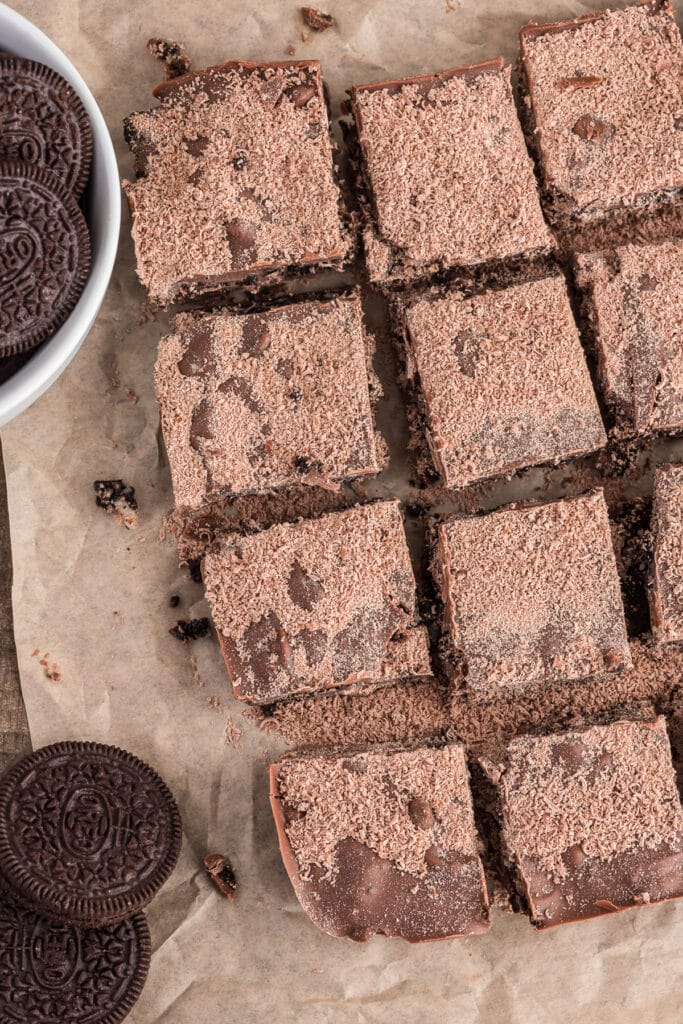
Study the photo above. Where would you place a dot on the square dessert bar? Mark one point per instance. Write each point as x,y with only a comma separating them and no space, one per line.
264,400
315,604
633,299
592,821
235,180
531,594
666,585
448,179
503,380
382,842
605,95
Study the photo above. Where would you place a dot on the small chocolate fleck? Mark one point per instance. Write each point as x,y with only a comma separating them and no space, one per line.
190,629
175,601
420,813
303,94
579,82
222,874
239,162
592,129
317,20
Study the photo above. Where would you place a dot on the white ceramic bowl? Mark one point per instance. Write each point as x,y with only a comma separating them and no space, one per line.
102,203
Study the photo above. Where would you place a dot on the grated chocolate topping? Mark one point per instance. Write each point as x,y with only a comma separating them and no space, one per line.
504,380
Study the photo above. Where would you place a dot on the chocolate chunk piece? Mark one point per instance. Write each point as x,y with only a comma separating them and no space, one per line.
532,594
274,209
666,590
88,833
633,298
54,972
255,402
44,256
449,180
172,55
315,604
604,93
317,20
592,821
382,843
190,629
43,122
503,380
221,873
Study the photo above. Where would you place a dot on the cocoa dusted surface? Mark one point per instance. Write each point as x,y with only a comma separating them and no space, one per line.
503,379
666,590
605,94
449,182
317,604
235,180
382,842
273,399
532,594
592,821
633,301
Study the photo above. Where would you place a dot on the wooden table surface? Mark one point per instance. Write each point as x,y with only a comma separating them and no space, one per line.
15,739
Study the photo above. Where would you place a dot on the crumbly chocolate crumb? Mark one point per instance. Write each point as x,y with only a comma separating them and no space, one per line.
191,629
194,567
317,20
222,874
118,499
172,55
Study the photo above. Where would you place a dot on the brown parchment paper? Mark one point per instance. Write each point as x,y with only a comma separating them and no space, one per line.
93,600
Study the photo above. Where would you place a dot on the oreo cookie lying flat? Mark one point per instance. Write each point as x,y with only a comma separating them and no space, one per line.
88,833
52,972
43,122
44,256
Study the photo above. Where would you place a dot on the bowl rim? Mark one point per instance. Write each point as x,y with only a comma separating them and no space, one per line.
53,356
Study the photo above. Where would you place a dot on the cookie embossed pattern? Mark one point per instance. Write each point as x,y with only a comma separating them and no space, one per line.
88,833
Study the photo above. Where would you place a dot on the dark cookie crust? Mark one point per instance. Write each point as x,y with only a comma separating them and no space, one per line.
44,256
52,971
88,833
43,122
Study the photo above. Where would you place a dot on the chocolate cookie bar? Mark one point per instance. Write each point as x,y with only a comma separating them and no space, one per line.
382,842
53,972
666,587
446,175
503,381
605,97
320,603
236,184
592,821
259,401
531,594
633,300
88,833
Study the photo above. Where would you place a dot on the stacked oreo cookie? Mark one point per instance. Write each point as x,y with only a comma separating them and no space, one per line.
46,148
88,835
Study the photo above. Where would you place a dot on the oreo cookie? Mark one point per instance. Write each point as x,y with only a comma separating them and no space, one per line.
88,833
53,972
44,256
43,122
